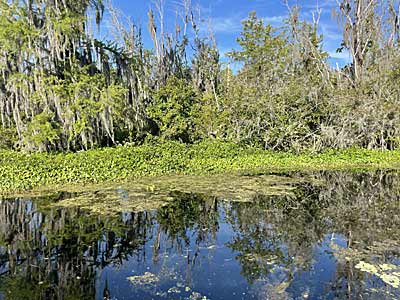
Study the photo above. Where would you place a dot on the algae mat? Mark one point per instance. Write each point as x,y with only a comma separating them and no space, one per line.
153,193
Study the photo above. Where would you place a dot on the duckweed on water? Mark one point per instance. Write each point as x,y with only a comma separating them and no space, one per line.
22,171
145,279
390,274
333,230
386,271
155,192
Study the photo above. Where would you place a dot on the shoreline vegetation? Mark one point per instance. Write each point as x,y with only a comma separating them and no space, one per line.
22,172
69,98
63,88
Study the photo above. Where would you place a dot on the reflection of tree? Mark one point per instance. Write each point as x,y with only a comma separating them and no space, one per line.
281,232
276,231
189,218
365,211
364,205
55,253
189,212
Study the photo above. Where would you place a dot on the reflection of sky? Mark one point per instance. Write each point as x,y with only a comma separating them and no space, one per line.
226,16
215,272
278,250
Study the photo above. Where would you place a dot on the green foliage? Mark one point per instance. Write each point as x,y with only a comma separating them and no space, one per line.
42,130
61,89
8,137
172,109
266,103
262,47
91,106
21,171
209,119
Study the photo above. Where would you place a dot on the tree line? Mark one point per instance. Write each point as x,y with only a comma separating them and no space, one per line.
64,89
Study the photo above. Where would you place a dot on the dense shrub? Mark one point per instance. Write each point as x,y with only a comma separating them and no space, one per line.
63,89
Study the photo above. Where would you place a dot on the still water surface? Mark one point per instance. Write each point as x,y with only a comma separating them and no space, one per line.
328,235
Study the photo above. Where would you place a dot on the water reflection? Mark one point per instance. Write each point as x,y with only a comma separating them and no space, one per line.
312,243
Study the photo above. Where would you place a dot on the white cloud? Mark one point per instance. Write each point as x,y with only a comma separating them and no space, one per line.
344,55
234,24
226,25
322,4
275,20
330,32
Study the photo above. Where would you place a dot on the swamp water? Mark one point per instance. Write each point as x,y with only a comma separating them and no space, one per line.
327,235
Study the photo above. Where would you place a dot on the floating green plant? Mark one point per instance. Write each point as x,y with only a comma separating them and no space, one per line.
155,192
23,171
390,274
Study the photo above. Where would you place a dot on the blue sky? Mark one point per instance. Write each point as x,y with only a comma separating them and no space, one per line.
226,15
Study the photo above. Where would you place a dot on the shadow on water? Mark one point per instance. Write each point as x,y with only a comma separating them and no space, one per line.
331,235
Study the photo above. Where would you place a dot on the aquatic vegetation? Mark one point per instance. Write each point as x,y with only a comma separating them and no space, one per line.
146,279
155,192
390,274
369,260
21,171
339,230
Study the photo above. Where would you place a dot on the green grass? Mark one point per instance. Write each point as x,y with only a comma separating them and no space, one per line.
23,171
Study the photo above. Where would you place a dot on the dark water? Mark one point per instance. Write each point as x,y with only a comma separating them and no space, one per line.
333,236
